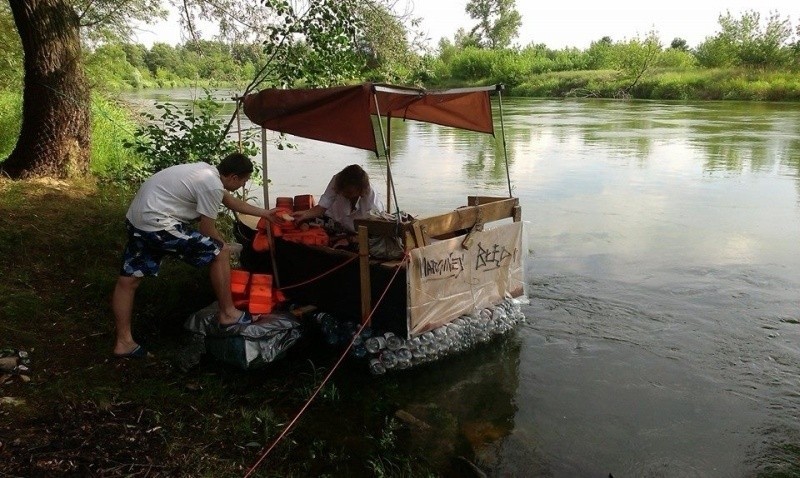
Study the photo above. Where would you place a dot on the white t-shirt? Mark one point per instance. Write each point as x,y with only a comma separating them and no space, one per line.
338,208
178,194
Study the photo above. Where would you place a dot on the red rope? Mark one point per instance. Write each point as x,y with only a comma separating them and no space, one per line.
286,429
321,275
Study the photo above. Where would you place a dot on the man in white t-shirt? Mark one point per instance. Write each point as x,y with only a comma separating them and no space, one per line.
348,196
158,225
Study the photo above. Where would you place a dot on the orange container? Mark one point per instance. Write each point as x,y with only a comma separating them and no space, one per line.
303,202
239,282
284,202
261,279
260,298
260,241
260,307
313,237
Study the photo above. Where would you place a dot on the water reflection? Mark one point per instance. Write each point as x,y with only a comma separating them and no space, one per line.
469,402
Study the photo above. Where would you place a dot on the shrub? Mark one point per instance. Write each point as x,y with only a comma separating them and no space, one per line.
676,59
185,136
472,63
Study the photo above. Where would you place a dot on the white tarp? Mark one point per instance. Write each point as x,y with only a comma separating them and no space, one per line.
446,281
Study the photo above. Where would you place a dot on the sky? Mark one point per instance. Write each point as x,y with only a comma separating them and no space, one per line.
576,23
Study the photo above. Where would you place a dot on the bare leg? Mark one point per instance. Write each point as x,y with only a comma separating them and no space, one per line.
122,305
220,272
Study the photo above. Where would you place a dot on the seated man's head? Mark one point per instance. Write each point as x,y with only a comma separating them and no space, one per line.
351,182
234,171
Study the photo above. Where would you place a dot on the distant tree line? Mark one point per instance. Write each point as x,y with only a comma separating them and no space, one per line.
745,42
483,53
471,56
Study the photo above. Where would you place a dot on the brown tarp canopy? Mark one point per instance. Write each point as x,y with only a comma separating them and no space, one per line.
342,114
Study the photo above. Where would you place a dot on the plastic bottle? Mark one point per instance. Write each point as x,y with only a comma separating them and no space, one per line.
375,344
404,354
393,342
327,323
388,359
427,337
376,367
359,351
366,332
413,343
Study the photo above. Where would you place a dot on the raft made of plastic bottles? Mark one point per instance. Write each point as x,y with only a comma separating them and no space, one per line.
387,351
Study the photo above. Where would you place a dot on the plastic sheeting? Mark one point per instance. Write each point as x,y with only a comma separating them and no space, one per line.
446,280
245,346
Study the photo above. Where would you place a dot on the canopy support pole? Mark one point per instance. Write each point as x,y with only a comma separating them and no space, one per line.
264,170
239,122
363,260
503,132
389,181
390,185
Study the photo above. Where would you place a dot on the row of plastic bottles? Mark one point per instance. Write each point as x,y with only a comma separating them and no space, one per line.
388,351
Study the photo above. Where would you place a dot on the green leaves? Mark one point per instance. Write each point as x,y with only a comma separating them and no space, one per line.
185,135
314,46
748,41
498,22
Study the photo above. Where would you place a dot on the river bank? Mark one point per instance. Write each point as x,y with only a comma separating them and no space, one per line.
84,413
696,84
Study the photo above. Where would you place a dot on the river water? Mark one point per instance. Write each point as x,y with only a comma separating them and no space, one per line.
663,334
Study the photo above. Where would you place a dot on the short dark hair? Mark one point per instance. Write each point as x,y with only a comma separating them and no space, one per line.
351,176
235,163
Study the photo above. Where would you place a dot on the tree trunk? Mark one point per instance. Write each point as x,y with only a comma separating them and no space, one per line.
54,138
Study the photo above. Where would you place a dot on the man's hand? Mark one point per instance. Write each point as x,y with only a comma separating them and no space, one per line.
242,207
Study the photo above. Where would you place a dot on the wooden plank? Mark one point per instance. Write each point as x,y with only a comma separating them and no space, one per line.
366,287
419,237
466,217
380,227
517,213
478,200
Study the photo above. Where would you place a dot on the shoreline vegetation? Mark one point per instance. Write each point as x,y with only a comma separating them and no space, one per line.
698,84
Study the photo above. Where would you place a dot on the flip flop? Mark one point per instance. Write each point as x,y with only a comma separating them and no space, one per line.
138,352
245,319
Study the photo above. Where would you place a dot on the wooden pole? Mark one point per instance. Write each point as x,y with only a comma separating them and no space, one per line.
239,123
366,287
264,171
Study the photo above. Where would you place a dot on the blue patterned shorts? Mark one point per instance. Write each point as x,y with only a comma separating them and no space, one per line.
145,250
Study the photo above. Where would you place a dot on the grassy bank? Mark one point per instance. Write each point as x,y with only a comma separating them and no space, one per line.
84,413
694,84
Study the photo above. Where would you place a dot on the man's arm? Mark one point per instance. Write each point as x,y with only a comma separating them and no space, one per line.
235,204
208,227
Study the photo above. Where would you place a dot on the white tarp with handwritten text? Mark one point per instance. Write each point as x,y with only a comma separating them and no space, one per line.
446,281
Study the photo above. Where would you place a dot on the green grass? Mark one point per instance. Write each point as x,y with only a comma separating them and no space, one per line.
10,114
112,124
